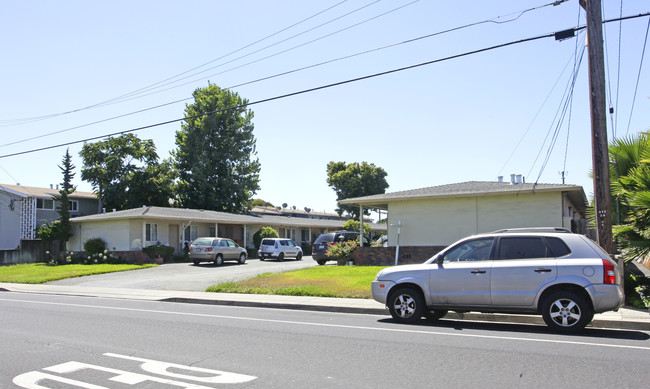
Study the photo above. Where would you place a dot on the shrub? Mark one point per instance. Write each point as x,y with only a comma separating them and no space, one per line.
164,252
637,291
341,251
95,246
264,232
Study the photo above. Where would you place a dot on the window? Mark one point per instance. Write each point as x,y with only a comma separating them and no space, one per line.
212,231
291,234
74,206
44,204
304,235
473,250
558,247
232,244
523,248
151,232
191,233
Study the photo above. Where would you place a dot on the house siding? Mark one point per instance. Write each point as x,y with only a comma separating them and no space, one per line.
442,221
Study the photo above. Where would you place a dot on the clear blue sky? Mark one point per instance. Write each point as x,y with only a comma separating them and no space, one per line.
470,118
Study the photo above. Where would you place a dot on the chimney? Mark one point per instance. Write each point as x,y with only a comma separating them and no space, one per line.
51,186
518,178
500,179
512,179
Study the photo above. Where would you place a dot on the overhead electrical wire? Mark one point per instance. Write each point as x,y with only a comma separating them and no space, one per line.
638,77
492,20
308,90
129,96
304,91
109,101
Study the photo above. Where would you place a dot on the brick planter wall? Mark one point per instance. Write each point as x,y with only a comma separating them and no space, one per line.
385,256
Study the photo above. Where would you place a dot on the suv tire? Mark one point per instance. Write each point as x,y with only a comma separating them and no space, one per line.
406,305
566,311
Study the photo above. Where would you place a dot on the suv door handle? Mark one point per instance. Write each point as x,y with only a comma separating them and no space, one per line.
542,270
477,271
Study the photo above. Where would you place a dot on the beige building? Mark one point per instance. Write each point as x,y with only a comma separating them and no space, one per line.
440,215
133,229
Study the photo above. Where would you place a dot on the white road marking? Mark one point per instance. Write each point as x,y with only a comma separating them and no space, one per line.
398,330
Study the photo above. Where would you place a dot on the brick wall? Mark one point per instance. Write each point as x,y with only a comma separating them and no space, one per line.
385,256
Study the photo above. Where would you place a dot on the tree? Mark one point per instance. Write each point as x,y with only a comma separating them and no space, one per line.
630,186
355,180
125,173
264,232
215,155
261,203
61,229
353,225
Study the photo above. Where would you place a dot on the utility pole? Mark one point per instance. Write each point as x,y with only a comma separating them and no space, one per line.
599,123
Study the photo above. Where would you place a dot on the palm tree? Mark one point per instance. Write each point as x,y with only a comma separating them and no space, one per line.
630,186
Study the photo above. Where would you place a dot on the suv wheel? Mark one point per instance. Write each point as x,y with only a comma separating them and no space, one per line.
566,311
242,258
321,262
281,257
299,257
406,305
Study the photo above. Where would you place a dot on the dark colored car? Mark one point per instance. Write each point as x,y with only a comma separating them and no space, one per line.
324,241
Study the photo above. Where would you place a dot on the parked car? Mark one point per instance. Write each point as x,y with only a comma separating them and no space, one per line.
279,249
216,250
324,241
565,277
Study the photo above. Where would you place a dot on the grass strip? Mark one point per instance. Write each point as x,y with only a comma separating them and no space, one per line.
321,281
39,273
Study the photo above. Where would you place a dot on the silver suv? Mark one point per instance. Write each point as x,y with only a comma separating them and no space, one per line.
279,248
565,277
216,250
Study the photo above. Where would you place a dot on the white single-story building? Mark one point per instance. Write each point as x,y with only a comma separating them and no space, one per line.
440,215
133,229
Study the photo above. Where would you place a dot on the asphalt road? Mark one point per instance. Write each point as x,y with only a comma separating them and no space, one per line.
187,276
68,341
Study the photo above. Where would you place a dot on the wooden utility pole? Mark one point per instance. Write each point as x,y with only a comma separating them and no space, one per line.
599,123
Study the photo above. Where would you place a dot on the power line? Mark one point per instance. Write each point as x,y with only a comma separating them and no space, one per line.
292,94
638,77
119,98
412,40
307,90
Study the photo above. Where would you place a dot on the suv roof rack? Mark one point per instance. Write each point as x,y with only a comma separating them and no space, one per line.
534,229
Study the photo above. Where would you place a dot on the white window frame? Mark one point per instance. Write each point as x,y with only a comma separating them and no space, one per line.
74,206
40,204
151,232
193,233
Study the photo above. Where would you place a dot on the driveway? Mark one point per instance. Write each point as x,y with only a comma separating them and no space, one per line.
186,276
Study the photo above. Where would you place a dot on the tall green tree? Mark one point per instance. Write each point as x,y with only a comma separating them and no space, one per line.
355,180
61,229
124,172
216,155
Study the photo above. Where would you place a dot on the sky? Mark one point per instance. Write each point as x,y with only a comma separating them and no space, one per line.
473,117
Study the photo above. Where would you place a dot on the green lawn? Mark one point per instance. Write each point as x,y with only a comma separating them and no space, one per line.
322,281
38,273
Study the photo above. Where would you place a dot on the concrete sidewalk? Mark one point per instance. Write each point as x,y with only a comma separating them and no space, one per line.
624,318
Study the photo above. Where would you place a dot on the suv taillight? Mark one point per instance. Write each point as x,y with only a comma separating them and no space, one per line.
276,245
609,272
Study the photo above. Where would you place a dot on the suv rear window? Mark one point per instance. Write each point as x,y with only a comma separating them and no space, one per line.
325,238
268,242
558,247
